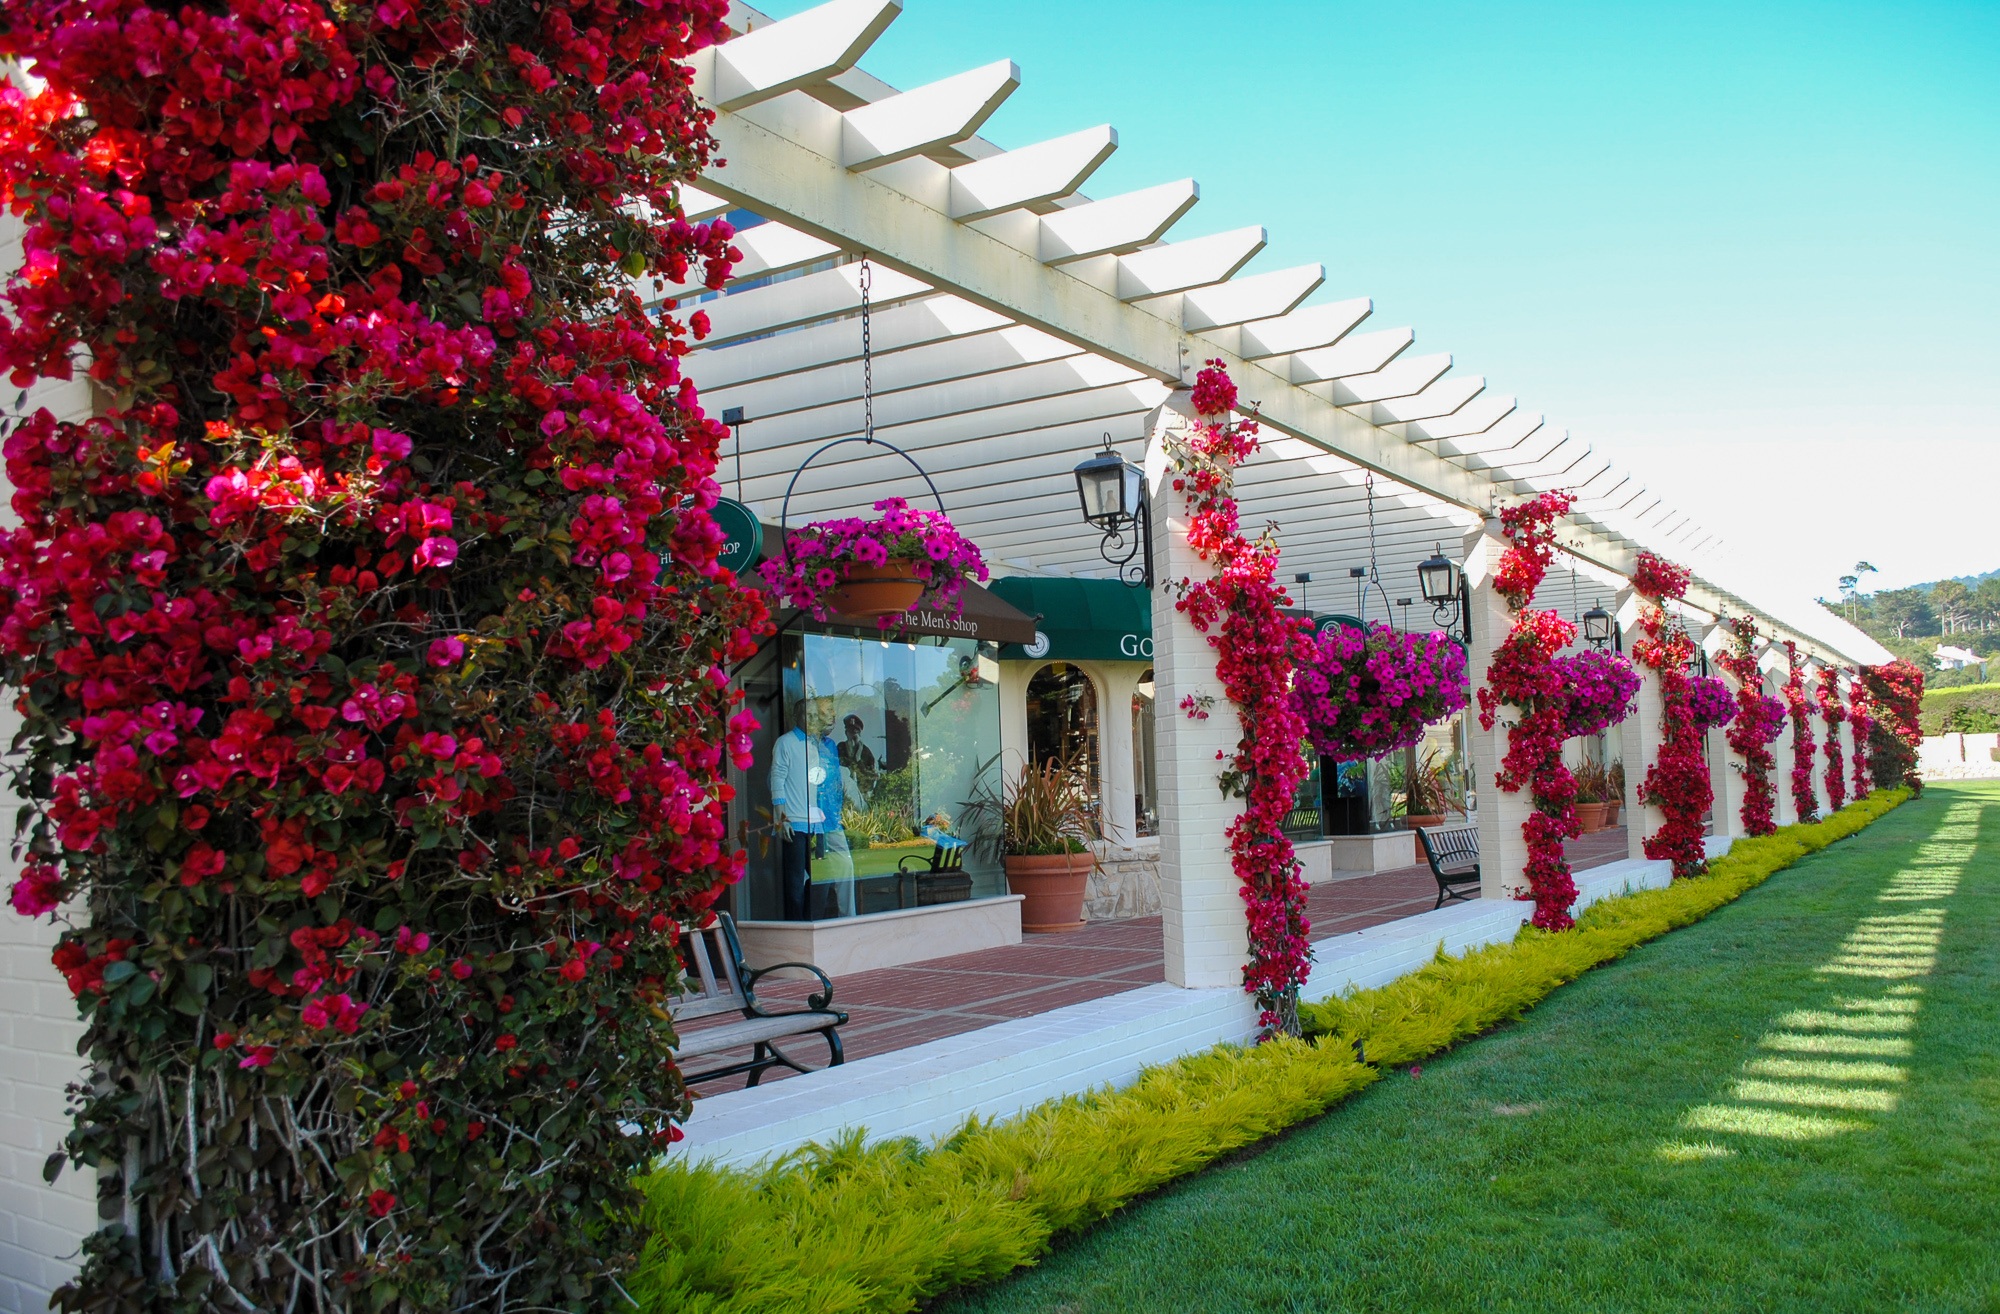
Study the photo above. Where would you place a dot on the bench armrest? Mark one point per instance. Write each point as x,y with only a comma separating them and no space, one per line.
904,865
818,1003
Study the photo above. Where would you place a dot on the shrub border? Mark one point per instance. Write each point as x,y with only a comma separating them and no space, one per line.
847,1227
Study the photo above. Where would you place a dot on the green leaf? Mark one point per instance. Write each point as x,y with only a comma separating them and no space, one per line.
120,971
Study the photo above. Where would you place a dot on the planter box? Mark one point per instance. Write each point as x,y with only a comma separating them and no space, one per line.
843,945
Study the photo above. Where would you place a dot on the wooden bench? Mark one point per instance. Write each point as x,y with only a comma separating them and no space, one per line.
1453,853
941,880
713,959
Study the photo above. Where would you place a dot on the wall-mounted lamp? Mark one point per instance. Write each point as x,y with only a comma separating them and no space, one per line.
1113,493
1597,626
1443,586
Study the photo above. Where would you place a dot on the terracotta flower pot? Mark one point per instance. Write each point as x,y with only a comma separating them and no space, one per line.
889,589
1611,811
1421,819
1051,887
1591,816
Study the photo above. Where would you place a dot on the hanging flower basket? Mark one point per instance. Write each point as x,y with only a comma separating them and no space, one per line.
1597,691
878,569
1710,703
1369,694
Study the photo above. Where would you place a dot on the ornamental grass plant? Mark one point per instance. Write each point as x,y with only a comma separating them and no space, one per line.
850,1227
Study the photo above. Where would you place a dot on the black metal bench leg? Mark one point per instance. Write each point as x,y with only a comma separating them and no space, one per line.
835,1055
760,1059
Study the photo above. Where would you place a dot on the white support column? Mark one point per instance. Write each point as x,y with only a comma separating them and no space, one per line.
1821,799
1641,735
1503,849
1202,915
1847,743
1725,765
1774,667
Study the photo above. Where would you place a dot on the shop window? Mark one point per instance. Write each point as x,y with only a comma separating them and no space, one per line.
1062,725
869,754
1145,772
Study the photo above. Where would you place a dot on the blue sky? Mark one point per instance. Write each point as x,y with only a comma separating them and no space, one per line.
1751,249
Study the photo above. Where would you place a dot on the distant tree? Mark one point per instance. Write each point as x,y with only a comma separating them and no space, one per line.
1906,612
1853,592
1986,603
1952,601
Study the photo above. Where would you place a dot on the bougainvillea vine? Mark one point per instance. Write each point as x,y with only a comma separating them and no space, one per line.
1896,696
1805,800
1862,726
370,633
1677,783
1833,714
1759,723
1524,676
1238,607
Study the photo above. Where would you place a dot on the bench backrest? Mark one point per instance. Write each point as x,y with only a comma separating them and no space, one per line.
1450,846
712,961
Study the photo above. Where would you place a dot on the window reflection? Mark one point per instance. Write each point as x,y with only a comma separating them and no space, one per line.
1062,726
1145,773
870,752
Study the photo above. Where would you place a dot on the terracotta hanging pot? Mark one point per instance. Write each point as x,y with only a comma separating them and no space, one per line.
1051,887
889,589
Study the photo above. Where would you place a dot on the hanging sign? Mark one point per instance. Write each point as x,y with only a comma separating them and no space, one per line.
744,541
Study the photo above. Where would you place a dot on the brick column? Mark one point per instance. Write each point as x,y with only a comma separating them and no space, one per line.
1503,850
1641,734
1202,914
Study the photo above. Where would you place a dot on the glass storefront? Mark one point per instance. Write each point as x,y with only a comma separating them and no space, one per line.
870,754
1063,727
1145,771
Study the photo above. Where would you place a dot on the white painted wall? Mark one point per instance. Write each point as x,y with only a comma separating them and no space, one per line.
40,1225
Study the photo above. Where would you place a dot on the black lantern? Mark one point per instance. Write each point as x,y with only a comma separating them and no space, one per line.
1438,578
1597,626
1443,585
1113,493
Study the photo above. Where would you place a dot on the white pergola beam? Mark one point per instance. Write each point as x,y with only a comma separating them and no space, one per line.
780,306
1115,224
1360,353
1475,417
1406,377
795,52
1254,297
1302,330
1173,266
1031,175
939,114
1441,398
897,328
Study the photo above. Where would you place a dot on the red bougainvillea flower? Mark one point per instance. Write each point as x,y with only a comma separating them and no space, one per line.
1525,682
1257,648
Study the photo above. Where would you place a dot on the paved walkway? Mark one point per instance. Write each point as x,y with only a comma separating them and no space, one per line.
895,1007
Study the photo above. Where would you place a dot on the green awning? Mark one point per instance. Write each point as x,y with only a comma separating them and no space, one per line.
1080,619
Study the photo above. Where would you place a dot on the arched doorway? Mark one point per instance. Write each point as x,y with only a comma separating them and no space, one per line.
1063,726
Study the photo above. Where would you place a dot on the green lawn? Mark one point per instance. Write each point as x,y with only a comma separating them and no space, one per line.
1792,1105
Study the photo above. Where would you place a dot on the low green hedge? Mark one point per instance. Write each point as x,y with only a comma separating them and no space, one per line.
848,1227
1972,708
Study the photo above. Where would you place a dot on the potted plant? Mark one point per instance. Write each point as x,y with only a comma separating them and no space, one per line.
1593,796
1042,826
878,569
1614,798
1429,793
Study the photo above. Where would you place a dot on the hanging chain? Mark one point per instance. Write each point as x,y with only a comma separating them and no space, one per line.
867,357
1374,568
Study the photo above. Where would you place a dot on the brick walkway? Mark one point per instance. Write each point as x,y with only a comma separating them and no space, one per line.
897,1007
